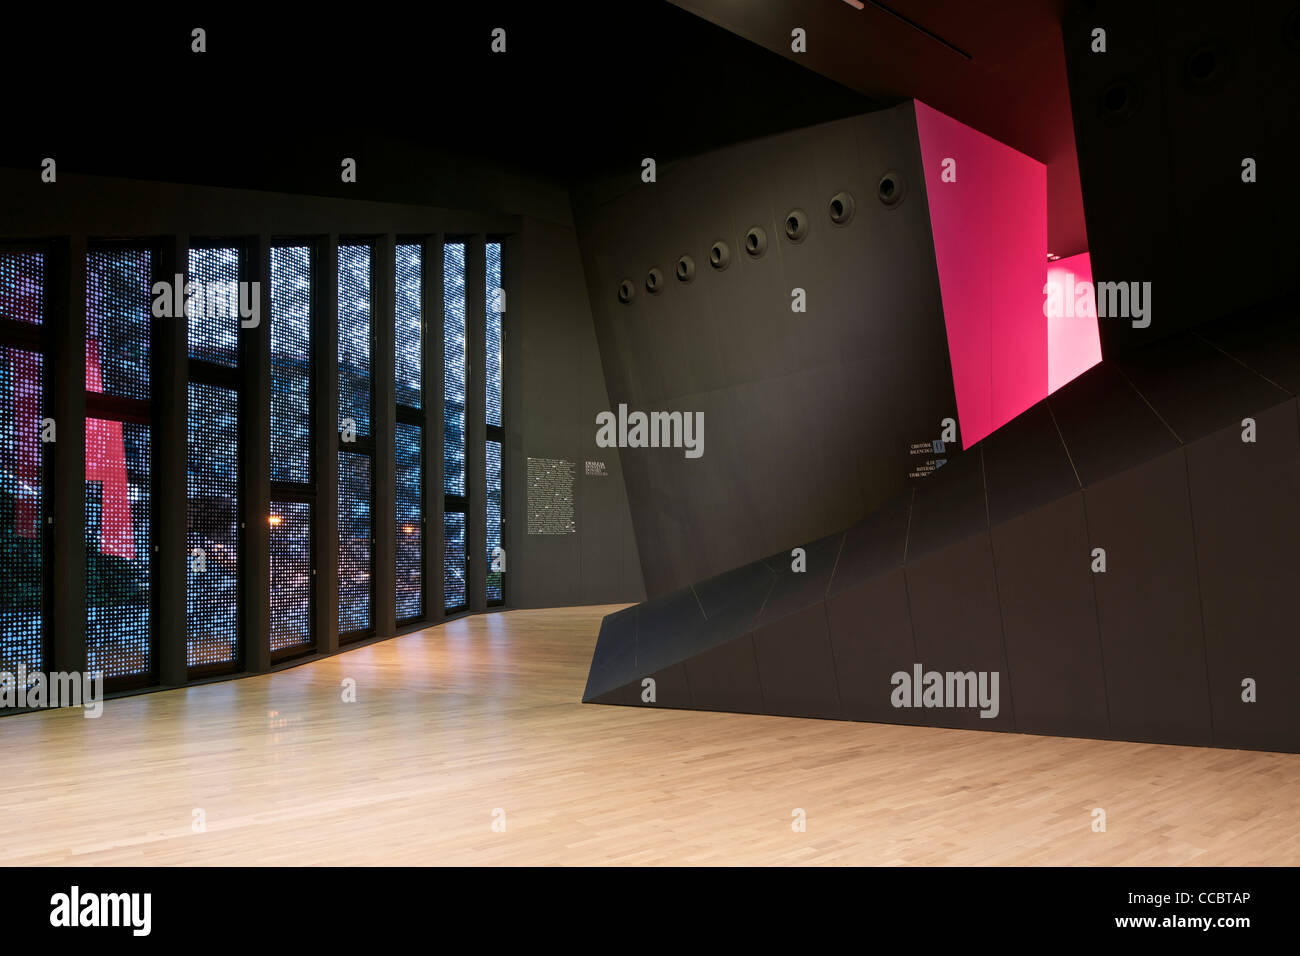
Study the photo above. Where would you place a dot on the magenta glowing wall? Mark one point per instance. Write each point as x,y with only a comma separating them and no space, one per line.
988,216
1073,344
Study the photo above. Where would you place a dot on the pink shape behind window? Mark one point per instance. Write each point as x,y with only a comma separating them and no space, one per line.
106,464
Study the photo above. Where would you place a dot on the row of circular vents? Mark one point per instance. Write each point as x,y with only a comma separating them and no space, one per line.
1207,69
891,190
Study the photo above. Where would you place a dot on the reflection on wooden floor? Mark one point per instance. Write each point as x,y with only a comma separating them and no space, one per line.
482,715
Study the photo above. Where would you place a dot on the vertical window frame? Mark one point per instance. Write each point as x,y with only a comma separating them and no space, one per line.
104,407
496,433
38,339
364,445
456,503
417,416
304,492
203,372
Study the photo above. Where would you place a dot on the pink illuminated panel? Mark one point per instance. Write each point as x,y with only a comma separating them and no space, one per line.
1069,303
988,215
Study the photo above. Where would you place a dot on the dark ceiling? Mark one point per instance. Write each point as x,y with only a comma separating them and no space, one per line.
582,88
997,66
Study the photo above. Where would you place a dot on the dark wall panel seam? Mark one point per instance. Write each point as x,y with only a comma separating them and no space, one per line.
997,592
767,595
1069,457
1200,596
907,535
1096,614
834,568
1133,386
758,671
1249,368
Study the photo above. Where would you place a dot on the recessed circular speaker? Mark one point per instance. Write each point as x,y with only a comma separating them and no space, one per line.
796,225
841,208
719,255
1207,68
685,269
654,282
892,188
756,241
1120,100
626,290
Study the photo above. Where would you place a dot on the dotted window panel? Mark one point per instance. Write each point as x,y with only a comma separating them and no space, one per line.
495,579
212,526
291,367
454,368
214,305
22,558
356,547
119,315
410,522
22,287
291,575
409,323
119,579
453,557
495,315
354,337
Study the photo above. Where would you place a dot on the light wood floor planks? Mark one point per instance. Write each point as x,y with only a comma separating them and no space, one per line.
455,722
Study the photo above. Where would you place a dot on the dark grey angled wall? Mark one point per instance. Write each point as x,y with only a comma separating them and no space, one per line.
807,416
558,389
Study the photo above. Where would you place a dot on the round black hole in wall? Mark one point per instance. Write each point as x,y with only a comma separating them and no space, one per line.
626,290
796,225
1201,64
719,255
685,269
1115,97
1120,100
1208,68
892,188
841,208
654,281
756,241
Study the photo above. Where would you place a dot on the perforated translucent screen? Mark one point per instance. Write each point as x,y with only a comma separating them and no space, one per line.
291,578
453,278
212,526
213,306
118,572
355,548
495,306
409,320
22,287
453,560
410,522
291,380
494,578
21,552
354,337
118,317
